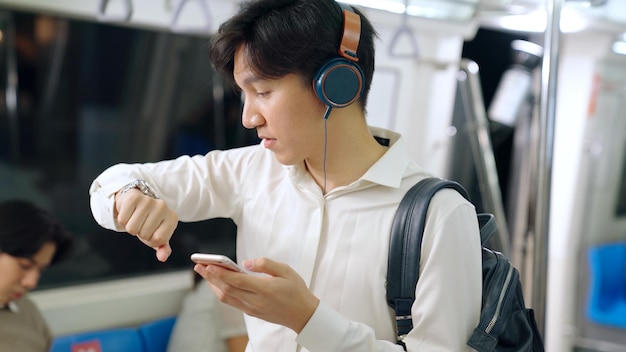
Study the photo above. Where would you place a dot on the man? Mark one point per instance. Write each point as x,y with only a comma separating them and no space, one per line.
31,240
314,201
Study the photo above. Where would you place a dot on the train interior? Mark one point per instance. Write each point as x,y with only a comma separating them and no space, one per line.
521,101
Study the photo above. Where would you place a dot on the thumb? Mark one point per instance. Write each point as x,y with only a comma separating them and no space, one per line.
267,266
163,252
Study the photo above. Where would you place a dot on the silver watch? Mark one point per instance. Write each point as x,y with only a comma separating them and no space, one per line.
140,185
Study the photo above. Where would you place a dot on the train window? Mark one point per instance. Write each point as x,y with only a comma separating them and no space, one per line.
89,95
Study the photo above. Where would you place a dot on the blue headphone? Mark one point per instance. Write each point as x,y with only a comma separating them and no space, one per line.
339,82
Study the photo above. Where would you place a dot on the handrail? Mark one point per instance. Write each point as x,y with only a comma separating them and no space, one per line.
547,115
178,8
125,17
482,150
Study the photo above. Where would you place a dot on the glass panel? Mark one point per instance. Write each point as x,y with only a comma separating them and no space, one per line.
90,95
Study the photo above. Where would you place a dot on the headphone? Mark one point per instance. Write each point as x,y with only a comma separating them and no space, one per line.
339,82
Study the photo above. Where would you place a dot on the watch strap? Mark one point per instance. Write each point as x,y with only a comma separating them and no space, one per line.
140,185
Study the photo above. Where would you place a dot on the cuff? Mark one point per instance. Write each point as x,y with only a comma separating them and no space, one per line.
324,322
102,202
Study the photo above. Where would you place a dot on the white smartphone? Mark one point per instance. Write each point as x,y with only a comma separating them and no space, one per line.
217,259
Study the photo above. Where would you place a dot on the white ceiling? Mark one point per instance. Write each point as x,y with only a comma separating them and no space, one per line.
609,15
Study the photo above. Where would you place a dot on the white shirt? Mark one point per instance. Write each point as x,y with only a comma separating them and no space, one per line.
337,242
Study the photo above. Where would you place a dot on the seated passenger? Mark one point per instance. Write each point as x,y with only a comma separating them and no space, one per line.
31,239
205,324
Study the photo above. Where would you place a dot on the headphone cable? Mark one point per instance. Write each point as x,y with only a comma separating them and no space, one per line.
325,143
326,114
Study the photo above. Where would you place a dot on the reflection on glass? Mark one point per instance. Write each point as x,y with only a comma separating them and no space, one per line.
90,95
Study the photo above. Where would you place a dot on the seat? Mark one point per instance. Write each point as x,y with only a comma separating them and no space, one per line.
606,303
155,335
110,340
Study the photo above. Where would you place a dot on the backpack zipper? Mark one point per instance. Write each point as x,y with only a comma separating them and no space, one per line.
494,319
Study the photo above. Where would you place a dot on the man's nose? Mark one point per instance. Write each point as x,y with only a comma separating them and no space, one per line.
250,117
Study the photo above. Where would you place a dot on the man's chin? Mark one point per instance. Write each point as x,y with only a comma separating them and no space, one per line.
286,160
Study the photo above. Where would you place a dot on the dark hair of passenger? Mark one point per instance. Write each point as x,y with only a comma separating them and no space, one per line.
290,36
25,228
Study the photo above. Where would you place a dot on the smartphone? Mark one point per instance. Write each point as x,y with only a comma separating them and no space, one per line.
217,259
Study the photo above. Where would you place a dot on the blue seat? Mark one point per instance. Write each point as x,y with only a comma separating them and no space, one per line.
606,303
111,340
156,334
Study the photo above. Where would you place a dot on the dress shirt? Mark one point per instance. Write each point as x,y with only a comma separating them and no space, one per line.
338,242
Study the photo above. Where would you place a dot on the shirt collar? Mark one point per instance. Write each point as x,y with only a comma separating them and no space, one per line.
386,171
390,168
11,306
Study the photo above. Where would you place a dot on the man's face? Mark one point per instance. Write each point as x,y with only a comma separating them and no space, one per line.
286,113
20,275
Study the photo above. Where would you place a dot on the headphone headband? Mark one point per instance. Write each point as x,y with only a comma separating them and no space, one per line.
351,34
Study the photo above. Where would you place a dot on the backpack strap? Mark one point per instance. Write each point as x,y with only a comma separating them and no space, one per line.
405,248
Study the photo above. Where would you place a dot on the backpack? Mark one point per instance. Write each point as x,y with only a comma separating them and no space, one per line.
505,322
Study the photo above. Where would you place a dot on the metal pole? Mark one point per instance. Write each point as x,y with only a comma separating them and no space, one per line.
482,150
547,111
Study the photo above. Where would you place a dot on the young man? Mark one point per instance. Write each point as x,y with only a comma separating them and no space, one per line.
31,240
314,202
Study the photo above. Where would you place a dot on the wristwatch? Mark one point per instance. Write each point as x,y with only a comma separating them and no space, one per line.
140,185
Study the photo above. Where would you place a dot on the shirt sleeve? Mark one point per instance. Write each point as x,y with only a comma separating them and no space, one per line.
102,191
197,187
339,334
449,291
448,294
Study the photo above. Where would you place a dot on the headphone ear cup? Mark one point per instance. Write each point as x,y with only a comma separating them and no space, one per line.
338,83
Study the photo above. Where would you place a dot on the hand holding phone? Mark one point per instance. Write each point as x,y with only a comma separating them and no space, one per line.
217,259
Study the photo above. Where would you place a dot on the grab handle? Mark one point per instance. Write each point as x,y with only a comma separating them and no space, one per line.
177,28
102,16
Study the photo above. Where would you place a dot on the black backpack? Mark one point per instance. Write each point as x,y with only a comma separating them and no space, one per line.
505,322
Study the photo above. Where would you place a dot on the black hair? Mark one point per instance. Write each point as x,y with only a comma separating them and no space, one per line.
290,36
25,228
